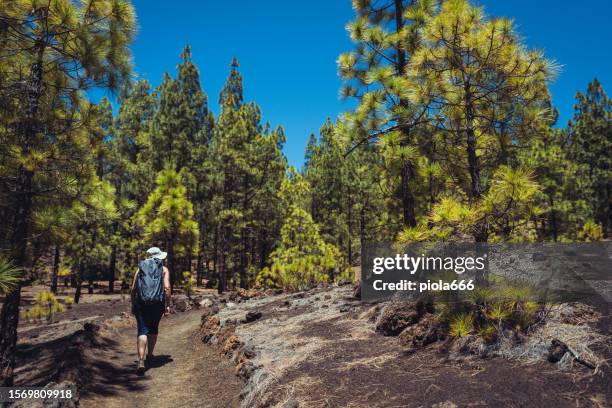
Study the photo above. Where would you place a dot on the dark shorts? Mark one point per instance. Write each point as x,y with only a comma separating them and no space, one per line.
148,317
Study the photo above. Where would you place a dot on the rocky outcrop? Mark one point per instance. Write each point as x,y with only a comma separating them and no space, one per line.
426,331
397,315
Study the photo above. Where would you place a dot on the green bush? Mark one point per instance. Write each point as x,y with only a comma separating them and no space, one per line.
591,232
47,306
489,309
461,325
68,302
189,283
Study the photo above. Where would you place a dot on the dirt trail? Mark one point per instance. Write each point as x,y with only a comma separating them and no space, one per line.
186,373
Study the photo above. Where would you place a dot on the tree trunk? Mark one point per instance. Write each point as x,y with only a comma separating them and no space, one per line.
9,317
79,284
407,169
243,249
215,259
199,269
90,287
9,321
171,263
243,237
222,287
473,163
349,215
430,179
399,24
407,196
553,219
55,273
362,227
112,267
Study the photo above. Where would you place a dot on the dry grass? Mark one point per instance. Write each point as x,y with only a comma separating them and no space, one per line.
578,335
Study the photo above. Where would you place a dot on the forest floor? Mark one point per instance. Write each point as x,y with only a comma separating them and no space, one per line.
184,373
310,349
320,349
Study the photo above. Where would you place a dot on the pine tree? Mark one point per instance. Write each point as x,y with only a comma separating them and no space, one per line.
131,146
228,147
167,218
249,166
232,92
179,124
270,166
61,48
564,186
486,95
387,34
302,258
129,172
590,144
91,218
327,174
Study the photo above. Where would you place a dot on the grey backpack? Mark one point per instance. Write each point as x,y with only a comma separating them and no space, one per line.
151,282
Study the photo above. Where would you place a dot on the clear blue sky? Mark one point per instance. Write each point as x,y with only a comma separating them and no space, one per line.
288,49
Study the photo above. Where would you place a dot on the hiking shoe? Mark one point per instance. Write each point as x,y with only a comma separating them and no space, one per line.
149,361
141,367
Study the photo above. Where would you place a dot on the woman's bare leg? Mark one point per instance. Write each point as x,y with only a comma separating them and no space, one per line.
141,345
151,344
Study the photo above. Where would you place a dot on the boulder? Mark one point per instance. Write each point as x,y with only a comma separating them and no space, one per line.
240,295
231,344
428,330
397,315
251,316
556,351
182,305
209,327
471,346
245,369
206,302
209,311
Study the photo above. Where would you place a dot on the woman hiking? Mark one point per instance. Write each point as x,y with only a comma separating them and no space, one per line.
150,295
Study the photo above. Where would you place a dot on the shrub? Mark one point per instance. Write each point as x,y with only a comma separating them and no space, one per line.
487,333
46,306
462,325
189,283
494,306
498,313
268,277
591,232
69,301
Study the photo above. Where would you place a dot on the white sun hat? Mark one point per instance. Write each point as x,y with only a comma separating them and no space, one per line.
155,252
